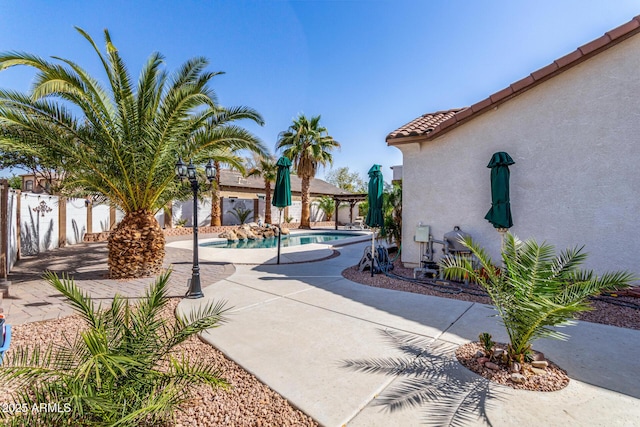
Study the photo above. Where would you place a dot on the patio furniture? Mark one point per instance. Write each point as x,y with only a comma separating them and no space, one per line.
358,224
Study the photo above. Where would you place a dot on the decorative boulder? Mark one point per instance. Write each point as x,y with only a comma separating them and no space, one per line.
230,235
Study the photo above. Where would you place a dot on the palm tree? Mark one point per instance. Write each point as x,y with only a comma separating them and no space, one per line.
392,229
124,367
308,145
122,141
535,290
265,167
327,205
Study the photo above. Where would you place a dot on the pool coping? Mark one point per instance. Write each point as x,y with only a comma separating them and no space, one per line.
312,252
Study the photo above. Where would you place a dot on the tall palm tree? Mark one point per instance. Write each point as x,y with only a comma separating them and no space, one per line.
308,145
265,167
122,141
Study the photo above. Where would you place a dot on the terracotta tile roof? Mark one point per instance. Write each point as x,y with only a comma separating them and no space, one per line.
430,126
423,125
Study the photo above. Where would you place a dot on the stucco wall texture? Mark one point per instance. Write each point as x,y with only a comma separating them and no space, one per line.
575,182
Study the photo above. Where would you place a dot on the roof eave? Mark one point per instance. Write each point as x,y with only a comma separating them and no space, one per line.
578,56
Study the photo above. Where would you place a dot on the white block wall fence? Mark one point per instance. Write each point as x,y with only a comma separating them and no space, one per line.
34,223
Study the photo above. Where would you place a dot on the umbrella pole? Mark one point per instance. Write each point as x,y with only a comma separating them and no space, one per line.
279,233
503,232
373,235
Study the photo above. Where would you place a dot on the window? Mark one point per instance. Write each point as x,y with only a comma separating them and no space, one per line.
28,185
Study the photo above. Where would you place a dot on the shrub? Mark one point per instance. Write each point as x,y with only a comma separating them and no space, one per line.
122,369
241,213
535,290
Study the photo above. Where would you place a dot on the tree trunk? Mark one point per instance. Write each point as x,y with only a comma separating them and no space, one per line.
136,246
267,206
216,215
306,213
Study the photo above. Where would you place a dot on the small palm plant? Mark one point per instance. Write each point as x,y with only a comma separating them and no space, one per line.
241,213
535,290
487,343
327,205
122,369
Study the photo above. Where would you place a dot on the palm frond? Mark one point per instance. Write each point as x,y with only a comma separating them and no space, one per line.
536,290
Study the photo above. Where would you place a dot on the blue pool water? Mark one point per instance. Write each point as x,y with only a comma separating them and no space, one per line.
290,240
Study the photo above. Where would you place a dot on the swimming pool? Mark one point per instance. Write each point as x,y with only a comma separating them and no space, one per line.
287,240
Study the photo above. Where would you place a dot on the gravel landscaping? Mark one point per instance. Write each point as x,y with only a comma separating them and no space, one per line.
248,402
622,311
616,310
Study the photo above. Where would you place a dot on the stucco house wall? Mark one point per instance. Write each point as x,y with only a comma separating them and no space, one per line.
576,179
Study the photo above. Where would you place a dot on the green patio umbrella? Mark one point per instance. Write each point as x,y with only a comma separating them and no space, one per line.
500,213
282,192
375,218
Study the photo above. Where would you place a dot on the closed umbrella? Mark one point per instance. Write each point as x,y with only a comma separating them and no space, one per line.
500,213
375,218
282,192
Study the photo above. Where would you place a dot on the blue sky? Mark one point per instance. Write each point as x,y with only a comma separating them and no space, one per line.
366,66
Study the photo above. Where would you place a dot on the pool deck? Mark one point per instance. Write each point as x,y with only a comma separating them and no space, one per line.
288,254
354,355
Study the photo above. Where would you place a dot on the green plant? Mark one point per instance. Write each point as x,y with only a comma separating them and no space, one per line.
308,145
15,182
288,219
264,166
392,230
121,139
535,290
487,343
122,369
181,222
328,206
241,213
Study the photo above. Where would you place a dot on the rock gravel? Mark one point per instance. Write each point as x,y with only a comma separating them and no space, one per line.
246,402
621,311
551,378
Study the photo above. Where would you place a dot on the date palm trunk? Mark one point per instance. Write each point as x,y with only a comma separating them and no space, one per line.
267,206
306,212
216,214
136,246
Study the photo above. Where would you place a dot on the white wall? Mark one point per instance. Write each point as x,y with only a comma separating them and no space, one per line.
38,223
344,216
575,182
229,204
76,221
12,255
295,211
185,210
100,218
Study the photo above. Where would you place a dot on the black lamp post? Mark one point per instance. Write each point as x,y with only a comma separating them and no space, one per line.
182,171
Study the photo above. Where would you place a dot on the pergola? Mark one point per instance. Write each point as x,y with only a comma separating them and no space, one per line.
352,199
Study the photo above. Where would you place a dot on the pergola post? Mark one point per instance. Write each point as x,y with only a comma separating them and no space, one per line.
352,199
